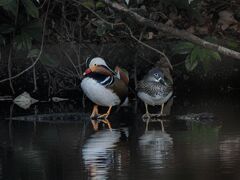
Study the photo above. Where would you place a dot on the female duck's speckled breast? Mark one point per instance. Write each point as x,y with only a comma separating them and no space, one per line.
154,93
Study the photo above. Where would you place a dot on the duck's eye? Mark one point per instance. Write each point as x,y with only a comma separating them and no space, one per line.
156,74
95,64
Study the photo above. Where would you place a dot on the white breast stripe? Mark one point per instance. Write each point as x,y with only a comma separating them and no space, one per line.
105,80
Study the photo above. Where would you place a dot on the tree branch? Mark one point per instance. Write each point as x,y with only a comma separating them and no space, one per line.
173,31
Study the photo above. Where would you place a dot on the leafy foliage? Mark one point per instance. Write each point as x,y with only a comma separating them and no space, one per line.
196,55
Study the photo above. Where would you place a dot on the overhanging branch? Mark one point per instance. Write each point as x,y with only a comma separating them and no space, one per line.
182,34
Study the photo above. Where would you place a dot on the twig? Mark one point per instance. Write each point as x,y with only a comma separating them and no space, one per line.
39,55
70,60
34,78
9,69
135,61
150,47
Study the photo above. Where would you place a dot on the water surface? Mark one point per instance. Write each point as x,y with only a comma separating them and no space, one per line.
65,146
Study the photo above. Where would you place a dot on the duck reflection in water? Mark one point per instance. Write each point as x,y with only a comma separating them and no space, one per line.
98,153
96,122
156,145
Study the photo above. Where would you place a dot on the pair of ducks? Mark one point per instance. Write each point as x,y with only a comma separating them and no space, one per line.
105,87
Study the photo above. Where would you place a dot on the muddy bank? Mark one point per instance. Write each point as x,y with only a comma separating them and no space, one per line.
56,75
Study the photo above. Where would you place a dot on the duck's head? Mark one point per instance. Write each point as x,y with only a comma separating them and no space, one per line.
98,65
155,75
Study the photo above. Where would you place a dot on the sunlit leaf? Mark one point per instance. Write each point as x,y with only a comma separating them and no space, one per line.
30,7
183,48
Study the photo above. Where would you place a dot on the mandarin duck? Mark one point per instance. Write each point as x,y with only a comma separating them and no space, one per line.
154,89
103,86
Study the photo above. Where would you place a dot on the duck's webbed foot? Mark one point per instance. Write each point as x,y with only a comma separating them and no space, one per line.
105,115
146,116
94,112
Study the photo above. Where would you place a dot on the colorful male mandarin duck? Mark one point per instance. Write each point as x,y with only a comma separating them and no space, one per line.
103,86
154,90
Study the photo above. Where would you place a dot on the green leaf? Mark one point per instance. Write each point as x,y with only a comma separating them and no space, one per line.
191,61
99,5
196,53
232,44
23,41
215,55
48,60
33,53
6,28
101,30
11,6
31,9
33,29
89,4
206,57
183,48
190,64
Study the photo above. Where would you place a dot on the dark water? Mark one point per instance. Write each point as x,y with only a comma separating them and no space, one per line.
67,147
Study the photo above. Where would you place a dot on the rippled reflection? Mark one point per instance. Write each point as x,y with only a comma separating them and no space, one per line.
230,150
98,152
156,146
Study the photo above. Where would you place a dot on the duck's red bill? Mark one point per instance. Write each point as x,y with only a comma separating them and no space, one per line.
87,71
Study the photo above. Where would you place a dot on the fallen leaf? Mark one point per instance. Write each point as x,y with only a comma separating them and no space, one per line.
58,99
226,19
24,100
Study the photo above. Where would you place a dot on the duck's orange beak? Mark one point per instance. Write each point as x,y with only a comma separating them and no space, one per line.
89,70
